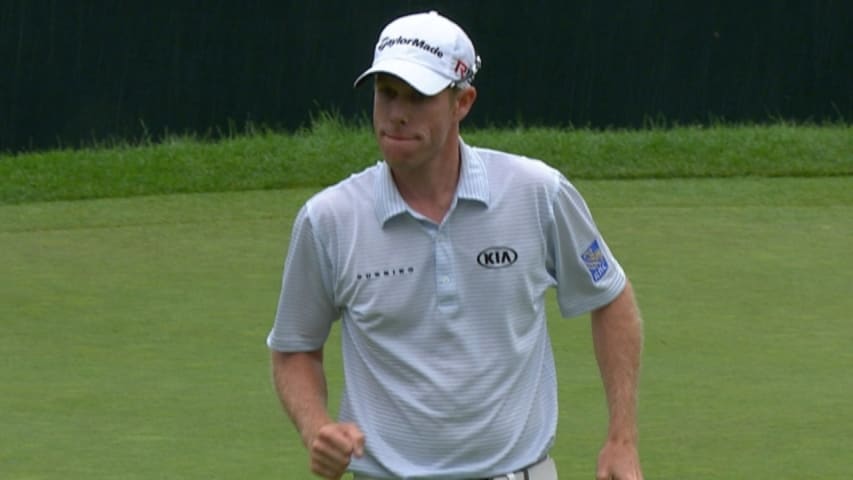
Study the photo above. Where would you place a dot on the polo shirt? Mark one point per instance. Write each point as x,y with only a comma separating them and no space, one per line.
448,365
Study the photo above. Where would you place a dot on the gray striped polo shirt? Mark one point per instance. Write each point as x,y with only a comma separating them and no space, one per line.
448,366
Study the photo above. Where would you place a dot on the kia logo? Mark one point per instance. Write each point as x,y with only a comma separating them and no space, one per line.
497,257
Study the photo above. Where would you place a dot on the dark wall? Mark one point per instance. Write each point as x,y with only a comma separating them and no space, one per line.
77,71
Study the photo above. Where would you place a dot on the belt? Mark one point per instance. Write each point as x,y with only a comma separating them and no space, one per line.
536,471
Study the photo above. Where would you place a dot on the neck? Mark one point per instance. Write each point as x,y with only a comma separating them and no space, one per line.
430,189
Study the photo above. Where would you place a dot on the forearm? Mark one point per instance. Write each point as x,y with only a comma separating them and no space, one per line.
617,332
300,382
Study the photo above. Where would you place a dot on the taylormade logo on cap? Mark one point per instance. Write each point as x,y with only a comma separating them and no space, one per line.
415,42
427,51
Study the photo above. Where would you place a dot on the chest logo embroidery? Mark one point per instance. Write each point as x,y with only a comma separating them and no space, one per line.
497,257
385,273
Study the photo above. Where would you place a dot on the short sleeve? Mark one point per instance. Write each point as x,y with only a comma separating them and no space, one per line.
306,307
587,274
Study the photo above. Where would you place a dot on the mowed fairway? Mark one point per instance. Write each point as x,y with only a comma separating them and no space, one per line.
132,341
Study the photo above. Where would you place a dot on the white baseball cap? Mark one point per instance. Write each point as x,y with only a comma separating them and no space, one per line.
427,51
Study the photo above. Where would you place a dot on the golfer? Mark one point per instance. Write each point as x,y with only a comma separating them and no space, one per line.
437,261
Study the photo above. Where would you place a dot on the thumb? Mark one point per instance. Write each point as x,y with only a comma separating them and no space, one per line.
602,472
356,436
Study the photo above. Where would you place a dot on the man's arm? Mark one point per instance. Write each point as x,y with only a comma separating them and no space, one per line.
617,332
300,381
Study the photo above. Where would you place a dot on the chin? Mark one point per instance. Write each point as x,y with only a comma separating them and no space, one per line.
403,162
396,160
395,153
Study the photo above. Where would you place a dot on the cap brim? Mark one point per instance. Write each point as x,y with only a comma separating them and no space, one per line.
421,78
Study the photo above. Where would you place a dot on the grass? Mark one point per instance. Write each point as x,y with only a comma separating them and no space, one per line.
331,149
134,319
134,329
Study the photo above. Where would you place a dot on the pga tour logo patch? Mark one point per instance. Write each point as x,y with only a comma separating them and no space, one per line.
595,261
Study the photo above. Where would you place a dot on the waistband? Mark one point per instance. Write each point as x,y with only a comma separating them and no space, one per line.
544,469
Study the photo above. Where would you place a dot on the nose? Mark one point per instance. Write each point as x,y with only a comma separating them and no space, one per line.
398,112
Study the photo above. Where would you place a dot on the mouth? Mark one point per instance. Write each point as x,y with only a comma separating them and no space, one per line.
398,137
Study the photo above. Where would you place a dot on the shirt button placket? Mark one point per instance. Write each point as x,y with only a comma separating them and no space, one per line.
445,284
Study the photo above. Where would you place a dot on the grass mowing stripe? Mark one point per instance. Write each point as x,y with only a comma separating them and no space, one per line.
747,329
154,210
263,205
133,333
135,351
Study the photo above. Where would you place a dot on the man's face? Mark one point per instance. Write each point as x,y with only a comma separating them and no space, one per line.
411,128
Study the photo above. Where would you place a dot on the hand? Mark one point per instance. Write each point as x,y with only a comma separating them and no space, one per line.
619,461
332,447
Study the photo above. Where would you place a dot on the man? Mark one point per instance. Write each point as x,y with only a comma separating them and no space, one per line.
437,262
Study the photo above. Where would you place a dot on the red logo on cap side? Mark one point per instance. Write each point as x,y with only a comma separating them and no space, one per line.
461,69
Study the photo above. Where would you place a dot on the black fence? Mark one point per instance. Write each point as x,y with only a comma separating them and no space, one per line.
74,72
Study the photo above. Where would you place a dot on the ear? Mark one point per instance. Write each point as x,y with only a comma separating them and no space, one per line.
464,101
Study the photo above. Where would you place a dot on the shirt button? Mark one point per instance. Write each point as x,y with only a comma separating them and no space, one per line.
444,280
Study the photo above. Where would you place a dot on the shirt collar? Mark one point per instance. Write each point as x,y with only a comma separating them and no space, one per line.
473,185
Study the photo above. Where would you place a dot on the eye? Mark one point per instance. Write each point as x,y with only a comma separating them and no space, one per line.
417,97
386,92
